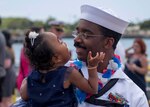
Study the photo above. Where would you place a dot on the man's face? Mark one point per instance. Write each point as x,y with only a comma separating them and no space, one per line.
93,42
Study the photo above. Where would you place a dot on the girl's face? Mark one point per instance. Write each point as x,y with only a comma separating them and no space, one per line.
59,48
136,47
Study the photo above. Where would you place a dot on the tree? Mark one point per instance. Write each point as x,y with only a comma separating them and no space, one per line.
69,28
145,25
47,21
16,23
38,23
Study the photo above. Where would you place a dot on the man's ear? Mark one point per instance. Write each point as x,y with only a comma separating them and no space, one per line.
109,41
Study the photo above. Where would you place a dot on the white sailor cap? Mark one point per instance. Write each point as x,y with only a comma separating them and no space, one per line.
103,18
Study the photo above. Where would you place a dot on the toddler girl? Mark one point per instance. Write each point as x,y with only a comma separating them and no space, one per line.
51,84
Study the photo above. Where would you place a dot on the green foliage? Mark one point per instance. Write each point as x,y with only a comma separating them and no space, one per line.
38,24
70,27
131,24
145,25
46,26
21,24
16,23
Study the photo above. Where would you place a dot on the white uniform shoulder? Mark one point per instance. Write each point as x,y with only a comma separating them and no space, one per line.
129,90
126,88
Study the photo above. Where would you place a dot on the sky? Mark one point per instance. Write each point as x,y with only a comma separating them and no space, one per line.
69,10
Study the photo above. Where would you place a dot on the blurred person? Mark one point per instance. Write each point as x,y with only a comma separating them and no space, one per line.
10,78
2,60
25,67
137,64
56,27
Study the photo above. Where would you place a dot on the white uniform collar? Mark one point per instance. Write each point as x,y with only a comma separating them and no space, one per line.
119,74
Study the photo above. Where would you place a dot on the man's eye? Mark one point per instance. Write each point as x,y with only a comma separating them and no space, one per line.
85,35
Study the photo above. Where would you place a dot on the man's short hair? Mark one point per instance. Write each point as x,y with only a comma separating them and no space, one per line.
109,33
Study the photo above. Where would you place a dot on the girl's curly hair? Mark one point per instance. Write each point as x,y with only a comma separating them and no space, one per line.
39,54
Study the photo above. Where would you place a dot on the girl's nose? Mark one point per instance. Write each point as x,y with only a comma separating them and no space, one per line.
64,43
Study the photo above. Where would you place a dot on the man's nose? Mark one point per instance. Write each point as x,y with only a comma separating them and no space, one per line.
78,39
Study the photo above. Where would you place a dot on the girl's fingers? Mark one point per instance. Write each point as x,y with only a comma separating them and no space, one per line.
89,55
101,56
97,56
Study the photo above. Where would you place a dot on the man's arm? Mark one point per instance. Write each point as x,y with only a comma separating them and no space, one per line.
143,102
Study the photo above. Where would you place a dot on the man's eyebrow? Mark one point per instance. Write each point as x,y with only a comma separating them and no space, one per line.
84,30
87,30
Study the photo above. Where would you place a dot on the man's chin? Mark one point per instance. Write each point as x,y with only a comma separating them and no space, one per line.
81,54
81,58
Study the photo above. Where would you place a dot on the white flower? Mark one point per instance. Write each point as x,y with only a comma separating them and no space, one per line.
33,35
112,65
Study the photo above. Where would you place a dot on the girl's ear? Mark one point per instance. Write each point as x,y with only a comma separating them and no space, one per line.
56,59
109,41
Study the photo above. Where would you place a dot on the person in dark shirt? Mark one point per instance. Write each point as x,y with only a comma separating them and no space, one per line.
136,66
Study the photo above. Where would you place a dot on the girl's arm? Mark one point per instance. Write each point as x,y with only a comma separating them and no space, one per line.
90,85
23,90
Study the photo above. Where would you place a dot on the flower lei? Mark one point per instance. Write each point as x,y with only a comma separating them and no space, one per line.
113,65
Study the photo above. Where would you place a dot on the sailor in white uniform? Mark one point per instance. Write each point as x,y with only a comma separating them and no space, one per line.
98,31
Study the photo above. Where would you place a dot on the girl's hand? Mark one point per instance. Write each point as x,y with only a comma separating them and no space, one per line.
94,61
